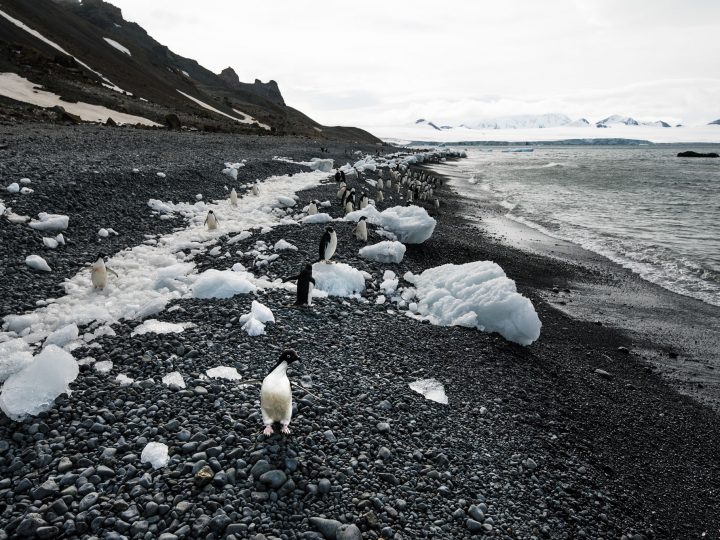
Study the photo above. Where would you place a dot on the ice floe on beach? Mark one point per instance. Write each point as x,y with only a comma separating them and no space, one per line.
321,217
431,389
338,279
224,372
50,222
409,224
174,378
385,252
476,295
254,322
36,262
34,388
154,326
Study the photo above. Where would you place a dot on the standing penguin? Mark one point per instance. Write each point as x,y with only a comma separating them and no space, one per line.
363,201
305,286
328,244
380,197
276,394
341,191
380,184
312,208
361,229
211,221
98,274
233,197
255,190
437,204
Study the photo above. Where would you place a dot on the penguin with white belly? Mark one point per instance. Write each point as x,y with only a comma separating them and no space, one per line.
363,201
99,272
276,394
233,197
312,208
305,286
211,221
255,190
328,244
380,197
361,229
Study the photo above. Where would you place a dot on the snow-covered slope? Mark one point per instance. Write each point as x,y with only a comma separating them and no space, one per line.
520,121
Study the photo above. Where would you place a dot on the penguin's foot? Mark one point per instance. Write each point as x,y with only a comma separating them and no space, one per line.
285,429
268,431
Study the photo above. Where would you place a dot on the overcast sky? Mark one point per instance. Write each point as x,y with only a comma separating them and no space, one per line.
371,63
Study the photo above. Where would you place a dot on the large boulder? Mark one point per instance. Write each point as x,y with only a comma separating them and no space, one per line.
172,121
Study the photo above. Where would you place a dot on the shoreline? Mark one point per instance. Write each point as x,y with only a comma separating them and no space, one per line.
533,442
675,332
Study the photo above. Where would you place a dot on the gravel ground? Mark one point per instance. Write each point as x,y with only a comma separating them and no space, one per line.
533,443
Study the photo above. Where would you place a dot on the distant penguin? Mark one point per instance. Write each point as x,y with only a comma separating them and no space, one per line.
305,286
255,190
437,203
328,244
361,229
380,184
99,272
233,197
312,208
349,208
363,201
276,394
341,191
211,221
380,197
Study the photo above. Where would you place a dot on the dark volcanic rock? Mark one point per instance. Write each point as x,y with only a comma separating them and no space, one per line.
690,153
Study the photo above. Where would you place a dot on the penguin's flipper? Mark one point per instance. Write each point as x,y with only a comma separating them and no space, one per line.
113,272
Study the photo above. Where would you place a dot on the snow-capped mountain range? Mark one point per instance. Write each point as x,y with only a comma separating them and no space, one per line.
552,120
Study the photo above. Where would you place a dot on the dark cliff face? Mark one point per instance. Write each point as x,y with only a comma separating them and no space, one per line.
155,80
268,90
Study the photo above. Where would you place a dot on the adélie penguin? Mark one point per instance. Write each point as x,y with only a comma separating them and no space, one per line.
363,201
99,272
276,394
312,208
328,244
305,286
361,229
233,197
211,220
380,197
255,190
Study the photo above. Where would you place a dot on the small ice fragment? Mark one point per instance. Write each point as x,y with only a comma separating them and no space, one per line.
224,372
36,262
432,389
156,454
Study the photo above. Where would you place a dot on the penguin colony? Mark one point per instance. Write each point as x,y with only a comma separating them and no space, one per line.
276,391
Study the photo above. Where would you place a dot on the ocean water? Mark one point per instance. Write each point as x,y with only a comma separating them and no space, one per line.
642,207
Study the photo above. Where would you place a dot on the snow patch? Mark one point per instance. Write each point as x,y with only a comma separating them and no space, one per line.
338,279
50,222
384,252
317,218
284,245
119,47
221,284
159,327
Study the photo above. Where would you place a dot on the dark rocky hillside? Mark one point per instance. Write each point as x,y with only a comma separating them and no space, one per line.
151,76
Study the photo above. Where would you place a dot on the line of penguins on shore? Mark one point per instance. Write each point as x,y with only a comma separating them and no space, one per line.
276,390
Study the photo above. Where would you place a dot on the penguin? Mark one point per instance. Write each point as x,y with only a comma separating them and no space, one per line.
276,394
380,184
312,208
211,221
328,244
349,208
361,229
380,197
305,286
363,201
255,190
341,191
388,184
98,274
437,203
233,197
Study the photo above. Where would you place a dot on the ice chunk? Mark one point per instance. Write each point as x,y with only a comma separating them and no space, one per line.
221,284
320,164
50,243
284,245
103,367
25,181
33,389
174,378
338,279
159,206
317,218
224,372
63,336
156,454
380,299
261,312
244,235
252,326
161,174
410,224
36,262
159,327
124,380
478,295
50,222
151,307
390,283
26,191
103,233
432,389
14,355
385,252
13,188
286,201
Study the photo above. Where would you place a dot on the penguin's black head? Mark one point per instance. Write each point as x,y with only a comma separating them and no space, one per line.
329,229
100,255
308,267
363,218
289,356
